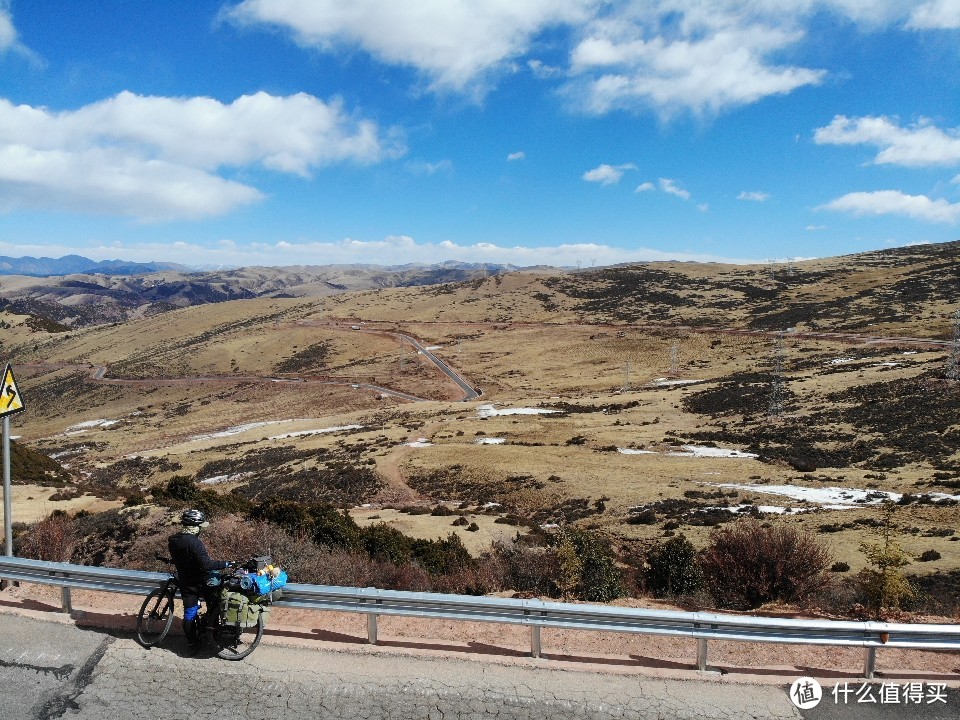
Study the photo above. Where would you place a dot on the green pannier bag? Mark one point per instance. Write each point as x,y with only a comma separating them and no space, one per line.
237,609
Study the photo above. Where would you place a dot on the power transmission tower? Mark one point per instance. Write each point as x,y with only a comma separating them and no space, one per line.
775,409
953,361
626,379
674,359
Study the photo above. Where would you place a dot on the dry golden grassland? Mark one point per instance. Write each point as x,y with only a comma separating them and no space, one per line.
203,370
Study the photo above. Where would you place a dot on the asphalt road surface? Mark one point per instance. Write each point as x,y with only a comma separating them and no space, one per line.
54,670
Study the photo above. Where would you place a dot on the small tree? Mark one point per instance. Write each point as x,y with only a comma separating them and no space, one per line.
673,568
587,567
883,584
749,564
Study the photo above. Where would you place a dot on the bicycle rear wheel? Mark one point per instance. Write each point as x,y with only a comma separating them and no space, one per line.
235,643
156,616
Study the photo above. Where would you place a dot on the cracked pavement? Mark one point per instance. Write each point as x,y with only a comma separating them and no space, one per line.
69,672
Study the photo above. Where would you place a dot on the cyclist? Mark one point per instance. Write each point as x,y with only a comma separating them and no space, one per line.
193,563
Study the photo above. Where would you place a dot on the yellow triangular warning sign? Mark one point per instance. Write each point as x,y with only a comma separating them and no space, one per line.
10,399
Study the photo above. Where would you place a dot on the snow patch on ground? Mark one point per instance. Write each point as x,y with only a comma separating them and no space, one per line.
82,427
235,430
489,441
667,382
320,431
633,451
418,443
833,498
711,452
486,411
840,361
217,479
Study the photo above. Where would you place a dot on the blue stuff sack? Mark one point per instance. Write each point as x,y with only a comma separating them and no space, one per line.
265,584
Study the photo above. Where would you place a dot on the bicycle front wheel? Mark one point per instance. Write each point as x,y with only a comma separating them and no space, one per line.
156,617
234,642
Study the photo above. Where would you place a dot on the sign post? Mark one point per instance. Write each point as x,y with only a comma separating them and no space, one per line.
10,402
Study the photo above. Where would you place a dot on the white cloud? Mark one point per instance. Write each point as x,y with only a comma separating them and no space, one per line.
753,196
645,187
520,155
106,181
455,42
919,145
422,167
8,35
815,228
894,202
712,58
607,174
543,71
936,14
157,158
671,188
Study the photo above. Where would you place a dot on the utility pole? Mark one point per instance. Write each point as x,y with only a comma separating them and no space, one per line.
775,409
953,360
674,359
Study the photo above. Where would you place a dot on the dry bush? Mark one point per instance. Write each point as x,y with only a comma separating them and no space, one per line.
52,538
748,564
523,568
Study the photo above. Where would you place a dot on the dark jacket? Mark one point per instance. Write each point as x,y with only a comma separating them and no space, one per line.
191,559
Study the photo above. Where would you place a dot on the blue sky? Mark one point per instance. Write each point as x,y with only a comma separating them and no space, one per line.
561,132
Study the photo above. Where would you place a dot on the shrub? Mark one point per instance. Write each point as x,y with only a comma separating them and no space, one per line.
442,556
525,568
52,538
386,543
747,565
929,555
673,568
587,567
840,567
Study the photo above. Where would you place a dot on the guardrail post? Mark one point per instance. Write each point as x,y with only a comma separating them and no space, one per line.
535,641
372,628
869,662
65,600
701,653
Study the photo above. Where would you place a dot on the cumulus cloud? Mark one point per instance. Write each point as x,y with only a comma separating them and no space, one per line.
455,43
753,196
894,202
919,145
703,56
158,158
671,188
936,14
520,155
607,174
645,187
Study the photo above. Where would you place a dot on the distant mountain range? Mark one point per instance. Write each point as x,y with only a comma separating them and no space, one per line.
74,291
71,264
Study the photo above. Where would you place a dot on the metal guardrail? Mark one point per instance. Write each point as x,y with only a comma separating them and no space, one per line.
536,614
